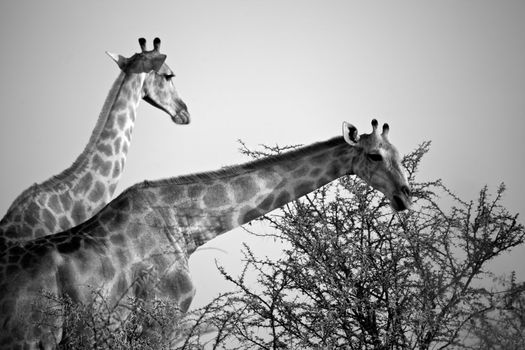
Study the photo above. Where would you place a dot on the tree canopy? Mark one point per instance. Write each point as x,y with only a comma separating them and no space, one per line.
354,274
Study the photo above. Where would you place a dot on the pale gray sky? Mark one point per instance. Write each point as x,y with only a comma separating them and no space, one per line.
285,72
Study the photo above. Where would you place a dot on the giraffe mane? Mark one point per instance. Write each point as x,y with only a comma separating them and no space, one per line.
58,180
242,168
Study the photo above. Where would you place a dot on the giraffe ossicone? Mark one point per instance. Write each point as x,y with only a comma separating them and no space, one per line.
76,194
154,226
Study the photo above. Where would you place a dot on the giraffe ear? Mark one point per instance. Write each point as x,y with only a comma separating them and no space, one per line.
350,134
121,61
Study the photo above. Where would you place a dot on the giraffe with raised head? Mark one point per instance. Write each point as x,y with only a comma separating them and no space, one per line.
155,226
80,191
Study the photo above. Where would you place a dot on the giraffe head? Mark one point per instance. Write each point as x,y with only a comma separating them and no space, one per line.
158,88
378,163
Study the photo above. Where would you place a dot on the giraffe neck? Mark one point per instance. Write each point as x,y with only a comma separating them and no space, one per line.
206,205
177,215
67,199
152,227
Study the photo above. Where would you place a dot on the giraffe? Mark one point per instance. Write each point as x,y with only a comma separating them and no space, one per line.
154,226
69,198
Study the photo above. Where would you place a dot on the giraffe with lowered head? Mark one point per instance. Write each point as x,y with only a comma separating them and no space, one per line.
155,226
77,193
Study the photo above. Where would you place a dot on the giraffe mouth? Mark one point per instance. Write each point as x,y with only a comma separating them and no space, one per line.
181,117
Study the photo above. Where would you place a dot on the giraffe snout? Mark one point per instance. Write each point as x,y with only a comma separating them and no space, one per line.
401,201
182,116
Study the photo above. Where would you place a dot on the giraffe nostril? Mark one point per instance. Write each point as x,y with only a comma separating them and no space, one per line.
182,105
406,191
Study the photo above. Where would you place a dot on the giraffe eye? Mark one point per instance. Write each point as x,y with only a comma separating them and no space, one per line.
168,77
375,157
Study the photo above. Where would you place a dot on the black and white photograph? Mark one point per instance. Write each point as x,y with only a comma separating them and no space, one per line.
248,174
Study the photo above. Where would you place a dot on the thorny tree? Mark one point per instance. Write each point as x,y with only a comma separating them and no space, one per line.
356,275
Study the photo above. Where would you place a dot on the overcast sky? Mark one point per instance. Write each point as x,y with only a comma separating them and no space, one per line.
267,72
